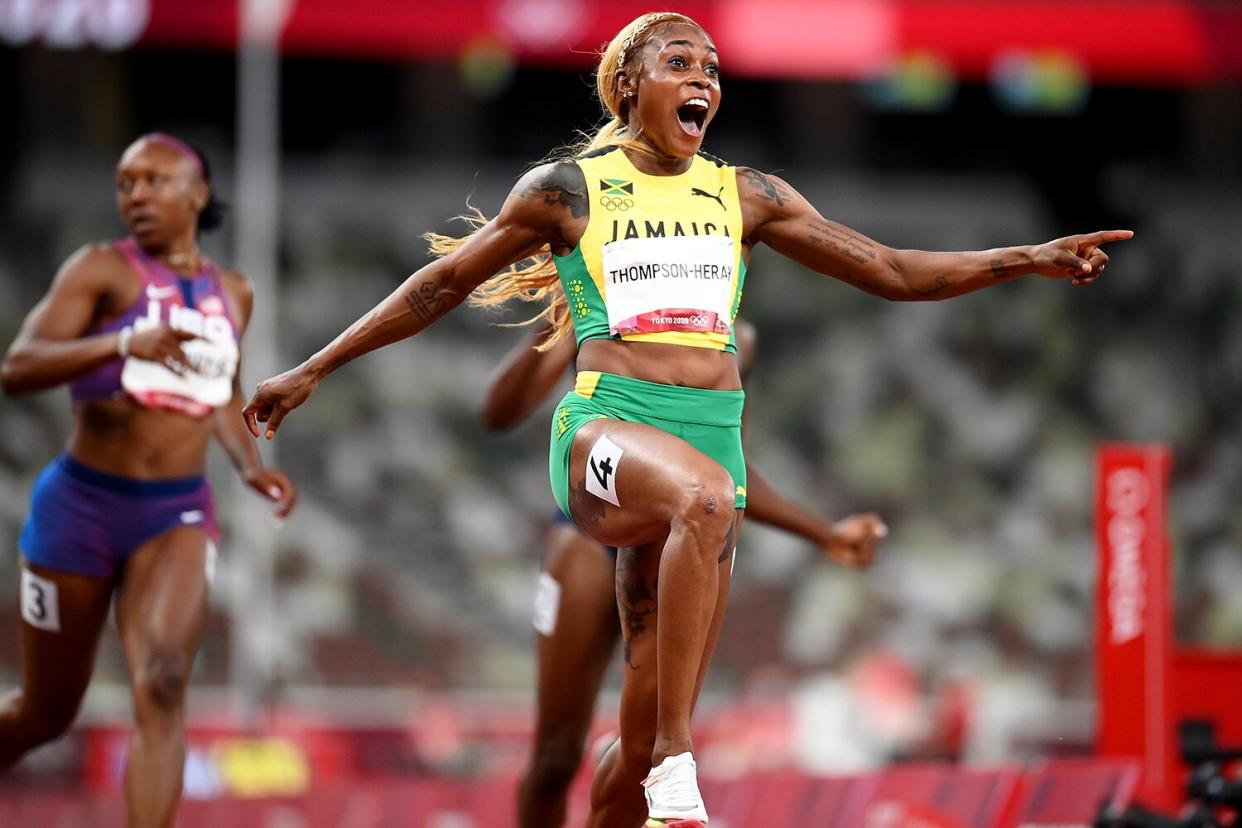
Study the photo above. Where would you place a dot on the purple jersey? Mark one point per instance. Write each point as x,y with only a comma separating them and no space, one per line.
197,305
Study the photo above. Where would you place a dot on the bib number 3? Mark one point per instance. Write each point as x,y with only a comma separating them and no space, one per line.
40,602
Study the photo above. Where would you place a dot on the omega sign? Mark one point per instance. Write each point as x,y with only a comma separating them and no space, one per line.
73,24
1127,494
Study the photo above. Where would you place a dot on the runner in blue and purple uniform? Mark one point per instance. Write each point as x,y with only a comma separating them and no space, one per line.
146,331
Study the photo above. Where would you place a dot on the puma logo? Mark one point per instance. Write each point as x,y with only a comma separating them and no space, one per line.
695,191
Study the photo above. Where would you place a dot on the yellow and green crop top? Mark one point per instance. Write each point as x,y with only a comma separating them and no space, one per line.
661,257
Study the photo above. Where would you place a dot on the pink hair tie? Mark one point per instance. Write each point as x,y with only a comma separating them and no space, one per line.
180,146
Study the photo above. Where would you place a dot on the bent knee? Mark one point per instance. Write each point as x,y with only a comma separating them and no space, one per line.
706,505
161,682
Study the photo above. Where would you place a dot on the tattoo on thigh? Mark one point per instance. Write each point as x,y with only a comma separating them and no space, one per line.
587,509
637,600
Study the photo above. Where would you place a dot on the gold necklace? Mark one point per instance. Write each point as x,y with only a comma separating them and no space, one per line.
178,261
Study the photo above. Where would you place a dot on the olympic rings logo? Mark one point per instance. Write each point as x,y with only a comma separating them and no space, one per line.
616,202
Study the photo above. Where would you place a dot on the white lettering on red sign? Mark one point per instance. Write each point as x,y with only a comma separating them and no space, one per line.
1127,494
74,24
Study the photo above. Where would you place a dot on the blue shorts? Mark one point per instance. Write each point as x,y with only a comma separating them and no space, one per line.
89,522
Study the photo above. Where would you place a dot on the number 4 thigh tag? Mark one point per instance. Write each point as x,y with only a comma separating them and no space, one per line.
601,473
40,605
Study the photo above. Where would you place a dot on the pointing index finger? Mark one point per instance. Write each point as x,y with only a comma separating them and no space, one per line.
1105,236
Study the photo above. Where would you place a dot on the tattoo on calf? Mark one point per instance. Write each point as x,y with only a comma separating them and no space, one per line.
636,598
563,185
730,542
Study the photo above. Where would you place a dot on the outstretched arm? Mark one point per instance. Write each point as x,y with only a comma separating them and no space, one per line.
536,213
777,215
850,541
525,377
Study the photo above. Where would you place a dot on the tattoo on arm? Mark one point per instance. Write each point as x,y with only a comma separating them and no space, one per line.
838,239
764,187
941,283
427,301
563,185
1003,271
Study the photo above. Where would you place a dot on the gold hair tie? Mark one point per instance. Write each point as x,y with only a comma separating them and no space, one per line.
627,44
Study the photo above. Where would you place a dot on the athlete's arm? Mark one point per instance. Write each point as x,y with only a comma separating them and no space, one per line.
49,349
850,541
537,212
227,424
777,215
525,377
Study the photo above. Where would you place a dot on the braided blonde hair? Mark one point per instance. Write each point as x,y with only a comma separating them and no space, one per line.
535,279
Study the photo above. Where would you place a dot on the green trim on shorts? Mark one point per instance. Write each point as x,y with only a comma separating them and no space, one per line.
707,419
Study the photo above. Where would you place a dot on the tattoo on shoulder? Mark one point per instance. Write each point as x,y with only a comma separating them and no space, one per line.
561,185
840,240
765,187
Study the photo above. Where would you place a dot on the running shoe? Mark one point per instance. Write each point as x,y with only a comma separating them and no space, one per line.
673,799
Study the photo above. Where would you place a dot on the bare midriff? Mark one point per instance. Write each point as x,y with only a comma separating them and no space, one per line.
122,438
663,363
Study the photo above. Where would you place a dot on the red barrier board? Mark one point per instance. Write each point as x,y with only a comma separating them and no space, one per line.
1068,794
939,796
1133,614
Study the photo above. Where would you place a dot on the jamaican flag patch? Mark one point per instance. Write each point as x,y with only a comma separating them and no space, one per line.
616,186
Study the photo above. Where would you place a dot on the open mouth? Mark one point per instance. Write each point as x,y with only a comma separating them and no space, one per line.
137,224
692,115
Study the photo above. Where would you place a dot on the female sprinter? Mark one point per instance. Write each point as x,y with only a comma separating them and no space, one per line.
578,583
649,240
146,331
